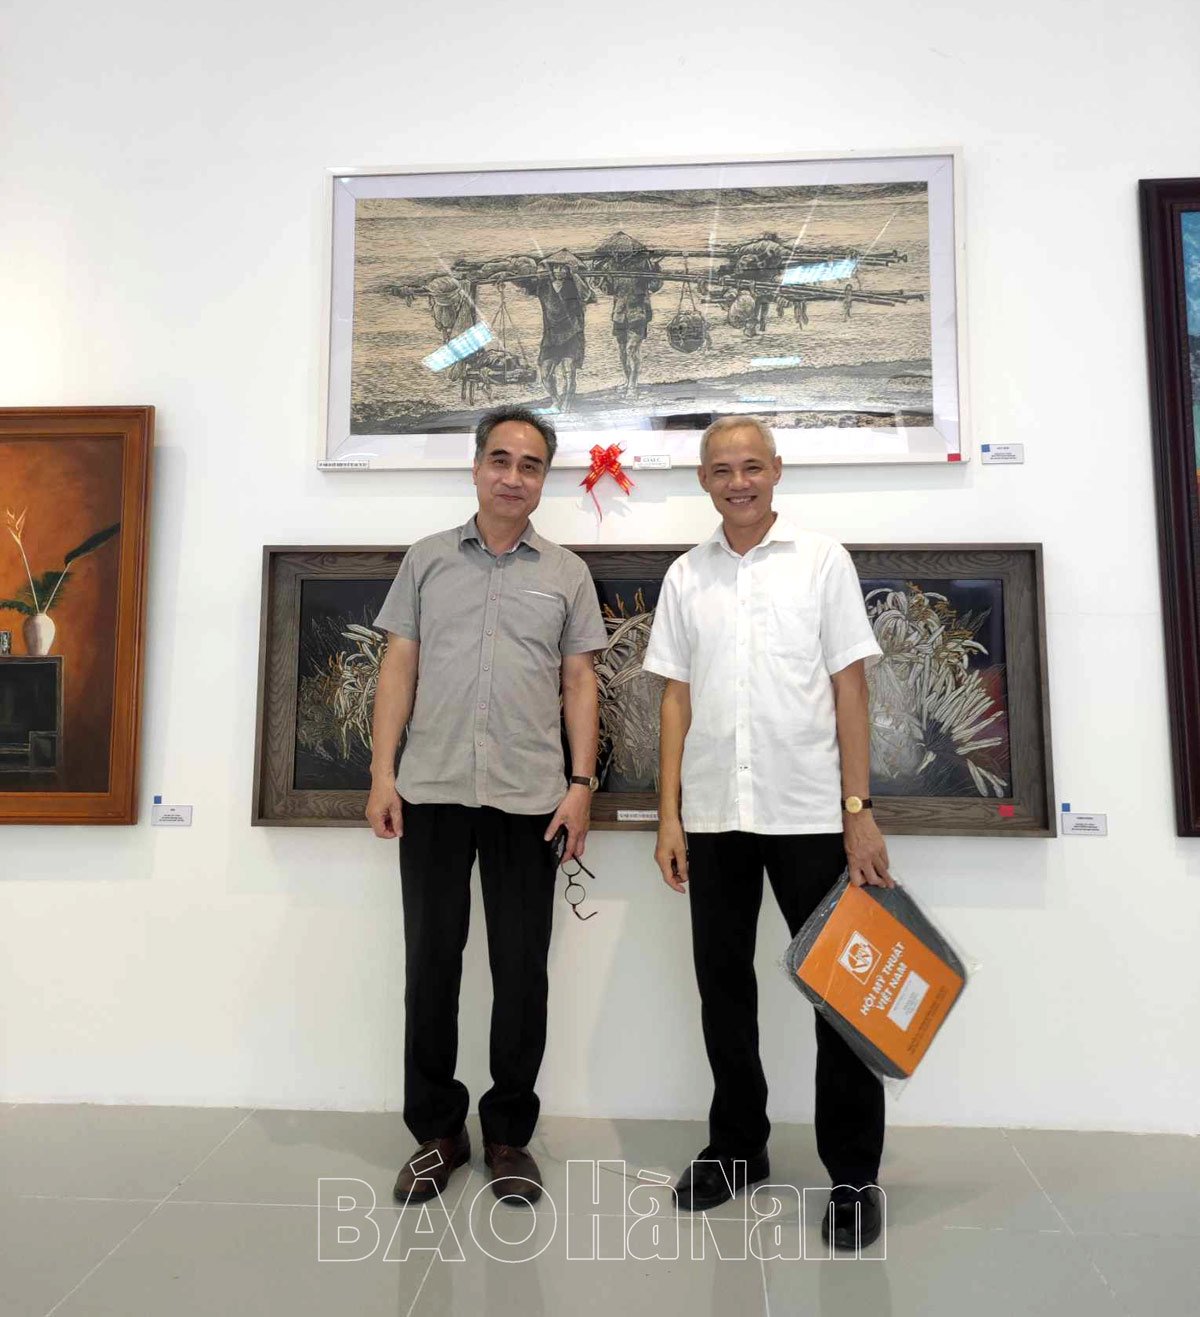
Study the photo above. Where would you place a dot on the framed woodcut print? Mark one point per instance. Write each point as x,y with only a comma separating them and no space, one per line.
633,303
1171,264
319,657
74,497
960,715
960,718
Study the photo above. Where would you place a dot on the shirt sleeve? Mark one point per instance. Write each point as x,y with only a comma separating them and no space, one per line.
846,633
584,631
401,611
668,654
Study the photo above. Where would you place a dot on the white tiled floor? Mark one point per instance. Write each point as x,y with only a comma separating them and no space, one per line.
177,1212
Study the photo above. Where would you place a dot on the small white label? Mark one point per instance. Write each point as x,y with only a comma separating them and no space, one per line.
1085,825
1003,454
171,816
345,464
637,816
908,999
652,462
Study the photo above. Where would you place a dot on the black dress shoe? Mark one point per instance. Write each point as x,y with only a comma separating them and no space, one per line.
846,1204
711,1180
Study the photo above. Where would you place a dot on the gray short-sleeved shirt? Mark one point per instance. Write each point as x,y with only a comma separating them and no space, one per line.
485,725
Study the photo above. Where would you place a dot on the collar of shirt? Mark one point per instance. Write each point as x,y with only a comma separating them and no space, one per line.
529,537
781,530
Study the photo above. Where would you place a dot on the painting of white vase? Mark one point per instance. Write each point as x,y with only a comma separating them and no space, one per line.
39,634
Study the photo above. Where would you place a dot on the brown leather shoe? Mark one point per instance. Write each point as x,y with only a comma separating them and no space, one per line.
428,1170
515,1175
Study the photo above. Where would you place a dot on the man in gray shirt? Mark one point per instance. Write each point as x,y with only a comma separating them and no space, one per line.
487,623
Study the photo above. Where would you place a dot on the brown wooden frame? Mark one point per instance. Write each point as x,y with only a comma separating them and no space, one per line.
1163,202
135,427
277,803
1019,566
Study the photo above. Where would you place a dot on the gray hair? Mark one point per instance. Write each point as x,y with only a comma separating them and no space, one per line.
724,424
498,415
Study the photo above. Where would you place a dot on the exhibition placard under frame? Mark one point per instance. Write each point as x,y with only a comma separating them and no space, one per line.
633,302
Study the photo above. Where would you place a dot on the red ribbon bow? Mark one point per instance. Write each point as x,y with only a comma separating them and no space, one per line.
606,462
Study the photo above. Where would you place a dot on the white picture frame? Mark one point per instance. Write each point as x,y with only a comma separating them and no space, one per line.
841,396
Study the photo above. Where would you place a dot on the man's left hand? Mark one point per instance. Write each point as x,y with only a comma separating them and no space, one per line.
866,851
574,813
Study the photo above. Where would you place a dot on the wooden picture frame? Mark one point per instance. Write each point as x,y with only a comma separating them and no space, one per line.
278,799
76,489
1024,808
1170,215
1027,807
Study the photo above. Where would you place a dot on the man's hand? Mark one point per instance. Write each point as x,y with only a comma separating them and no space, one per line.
866,851
575,814
384,811
671,854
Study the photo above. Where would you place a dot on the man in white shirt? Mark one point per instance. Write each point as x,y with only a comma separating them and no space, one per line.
763,637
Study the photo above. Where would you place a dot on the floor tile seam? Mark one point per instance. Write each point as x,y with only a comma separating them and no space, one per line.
1103,1279
92,1270
434,1255
1041,1187
212,1152
157,1207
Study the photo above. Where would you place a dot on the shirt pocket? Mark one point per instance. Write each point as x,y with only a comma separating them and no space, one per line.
793,627
538,617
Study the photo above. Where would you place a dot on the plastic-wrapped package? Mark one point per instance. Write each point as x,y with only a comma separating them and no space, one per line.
873,963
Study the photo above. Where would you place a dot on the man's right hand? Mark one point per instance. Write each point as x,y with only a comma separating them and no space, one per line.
671,854
384,810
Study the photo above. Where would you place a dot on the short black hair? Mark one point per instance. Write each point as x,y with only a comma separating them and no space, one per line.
498,415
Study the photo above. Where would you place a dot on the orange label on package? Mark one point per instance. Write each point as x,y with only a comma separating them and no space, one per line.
887,983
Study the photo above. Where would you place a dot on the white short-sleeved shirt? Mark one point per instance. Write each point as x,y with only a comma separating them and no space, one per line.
757,639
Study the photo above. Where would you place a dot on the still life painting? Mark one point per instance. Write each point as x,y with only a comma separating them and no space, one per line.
74,486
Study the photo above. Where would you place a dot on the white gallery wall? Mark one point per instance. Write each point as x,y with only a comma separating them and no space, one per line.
162,240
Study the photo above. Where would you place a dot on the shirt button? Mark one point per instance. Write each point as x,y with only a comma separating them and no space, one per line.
487,667
483,706
479,744
489,632
491,596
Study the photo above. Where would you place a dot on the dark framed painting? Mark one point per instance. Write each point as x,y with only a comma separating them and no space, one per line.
637,301
319,661
1171,265
75,483
960,719
959,707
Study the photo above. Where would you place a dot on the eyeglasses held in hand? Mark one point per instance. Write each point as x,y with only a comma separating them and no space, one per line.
574,893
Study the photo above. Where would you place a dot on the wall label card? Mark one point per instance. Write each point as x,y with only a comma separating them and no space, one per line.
1084,825
170,816
637,816
1003,454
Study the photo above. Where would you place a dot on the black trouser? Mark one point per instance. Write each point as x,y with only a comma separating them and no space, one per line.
516,869
725,887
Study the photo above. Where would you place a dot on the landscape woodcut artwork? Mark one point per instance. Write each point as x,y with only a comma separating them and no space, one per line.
74,489
622,311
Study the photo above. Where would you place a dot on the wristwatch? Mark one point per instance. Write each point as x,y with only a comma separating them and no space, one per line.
856,804
592,783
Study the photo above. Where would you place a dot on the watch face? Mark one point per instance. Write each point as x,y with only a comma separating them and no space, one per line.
853,805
